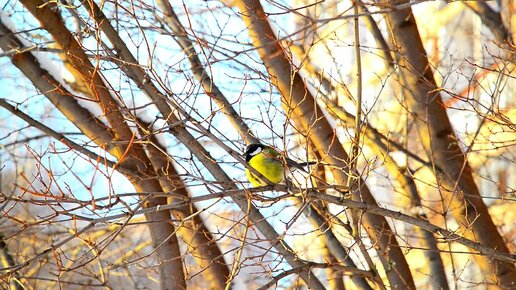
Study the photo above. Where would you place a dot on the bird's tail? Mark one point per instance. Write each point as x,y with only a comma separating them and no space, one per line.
300,165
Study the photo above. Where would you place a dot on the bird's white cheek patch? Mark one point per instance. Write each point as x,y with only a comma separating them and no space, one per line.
258,150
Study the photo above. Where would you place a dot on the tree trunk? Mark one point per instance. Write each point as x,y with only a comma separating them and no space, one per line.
301,107
440,142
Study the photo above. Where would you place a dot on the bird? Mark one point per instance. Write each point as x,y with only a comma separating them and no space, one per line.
269,163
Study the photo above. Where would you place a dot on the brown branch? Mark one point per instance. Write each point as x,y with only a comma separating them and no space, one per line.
335,247
182,38
443,235
193,231
375,140
350,270
324,221
58,136
62,99
301,106
136,160
142,80
187,45
51,21
492,20
437,136
377,34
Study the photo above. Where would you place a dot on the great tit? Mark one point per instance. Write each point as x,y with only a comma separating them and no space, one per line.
269,163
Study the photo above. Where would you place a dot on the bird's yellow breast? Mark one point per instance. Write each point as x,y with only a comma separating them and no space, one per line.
269,166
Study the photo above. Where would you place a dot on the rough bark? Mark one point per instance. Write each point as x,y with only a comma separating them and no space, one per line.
130,156
192,230
163,104
195,234
375,141
245,206
334,246
407,185
491,19
300,106
440,141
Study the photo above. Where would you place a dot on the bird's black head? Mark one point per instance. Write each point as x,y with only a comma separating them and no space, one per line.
252,150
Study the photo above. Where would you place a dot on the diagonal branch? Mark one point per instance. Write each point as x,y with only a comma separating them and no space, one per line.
210,88
193,231
142,80
299,103
182,38
491,19
443,235
162,232
56,135
439,140
52,22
